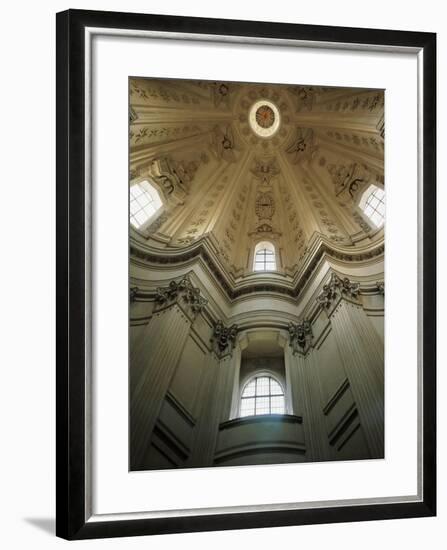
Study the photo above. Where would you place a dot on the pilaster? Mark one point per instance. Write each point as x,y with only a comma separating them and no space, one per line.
159,350
362,355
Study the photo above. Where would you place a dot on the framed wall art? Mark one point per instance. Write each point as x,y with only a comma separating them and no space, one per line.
245,274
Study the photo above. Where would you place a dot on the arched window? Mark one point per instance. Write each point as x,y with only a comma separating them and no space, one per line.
264,259
373,205
262,395
144,202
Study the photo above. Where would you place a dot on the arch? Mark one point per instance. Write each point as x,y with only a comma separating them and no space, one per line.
264,257
262,394
144,202
372,204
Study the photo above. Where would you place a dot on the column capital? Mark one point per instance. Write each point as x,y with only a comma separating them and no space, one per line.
300,336
223,338
336,289
182,293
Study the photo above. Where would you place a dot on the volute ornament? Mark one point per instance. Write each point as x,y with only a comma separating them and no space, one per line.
337,287
181,290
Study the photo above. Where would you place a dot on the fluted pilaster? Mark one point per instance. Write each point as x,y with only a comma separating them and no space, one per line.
362,355
306,399
151,372
156,356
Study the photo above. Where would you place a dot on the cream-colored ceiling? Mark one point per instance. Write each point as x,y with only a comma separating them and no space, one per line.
222,182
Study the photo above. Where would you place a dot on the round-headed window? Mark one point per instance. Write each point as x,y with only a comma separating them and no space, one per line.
262,395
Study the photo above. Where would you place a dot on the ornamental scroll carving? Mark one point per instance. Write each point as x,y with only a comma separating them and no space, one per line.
173,177
181,291
337,288
223,338
350,178
300,335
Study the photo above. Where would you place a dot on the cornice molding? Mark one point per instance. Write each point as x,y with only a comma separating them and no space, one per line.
235,290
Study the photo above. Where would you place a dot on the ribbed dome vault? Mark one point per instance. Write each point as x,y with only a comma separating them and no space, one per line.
236,164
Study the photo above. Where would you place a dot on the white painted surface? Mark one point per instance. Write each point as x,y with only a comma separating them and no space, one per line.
27,404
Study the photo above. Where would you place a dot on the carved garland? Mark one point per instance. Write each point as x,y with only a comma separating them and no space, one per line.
300,335
223,338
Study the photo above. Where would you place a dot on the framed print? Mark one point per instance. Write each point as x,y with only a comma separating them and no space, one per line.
233,199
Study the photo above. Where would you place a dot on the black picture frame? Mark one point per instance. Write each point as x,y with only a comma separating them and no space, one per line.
72,512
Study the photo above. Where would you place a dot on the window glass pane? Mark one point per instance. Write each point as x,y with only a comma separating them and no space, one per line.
262,395
135,190
262,386
134,207
262,405
275,388
144,202
374,207
249,389
277,404
248,407
264,257
140,217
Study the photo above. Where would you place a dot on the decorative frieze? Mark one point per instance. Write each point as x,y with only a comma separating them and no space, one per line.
337,288
300,335
182,292
223,338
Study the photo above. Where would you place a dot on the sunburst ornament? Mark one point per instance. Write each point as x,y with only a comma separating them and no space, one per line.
264,118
